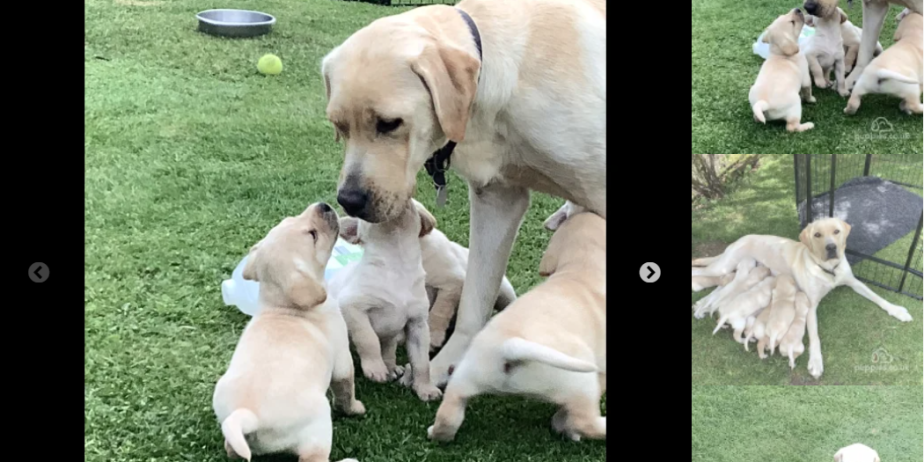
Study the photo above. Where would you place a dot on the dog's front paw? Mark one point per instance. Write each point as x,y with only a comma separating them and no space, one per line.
407,378
356,408
427,392
900,313
443,437
816,365
376,372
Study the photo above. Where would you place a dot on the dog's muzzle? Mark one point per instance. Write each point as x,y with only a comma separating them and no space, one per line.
832,251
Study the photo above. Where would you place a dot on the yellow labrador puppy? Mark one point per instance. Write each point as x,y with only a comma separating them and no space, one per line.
511,94
737,310
741,283
874,14
791,345
757,330
704,282
825,49
898,71
784,80
548,344
851,34
817,263
273,398
783,311
856,452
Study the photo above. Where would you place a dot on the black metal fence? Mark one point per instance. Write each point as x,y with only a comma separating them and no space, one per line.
407,2
817,178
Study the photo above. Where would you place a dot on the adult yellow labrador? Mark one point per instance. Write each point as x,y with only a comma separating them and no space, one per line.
513,90
816,262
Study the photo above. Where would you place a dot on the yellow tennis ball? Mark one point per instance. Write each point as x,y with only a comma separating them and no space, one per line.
269,64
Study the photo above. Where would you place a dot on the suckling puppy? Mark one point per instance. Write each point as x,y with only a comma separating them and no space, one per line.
383,295
792,345
709,303
898,71
273,398
783,311
737,310
757,329
784,80
704,282
549,344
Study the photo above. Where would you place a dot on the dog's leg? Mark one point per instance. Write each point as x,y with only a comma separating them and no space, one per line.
315,447
806,89
451,412
444,307
850,57
794,126
418,345
818,74
839,77
583,411
367,345
705,261
761,345
815,362
342,381
390,355
874,13
911,105
896,311
496,214
560,424
854,102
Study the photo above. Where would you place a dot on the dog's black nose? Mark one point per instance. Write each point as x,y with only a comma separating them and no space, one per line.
810,7
831,248
324,207
798,11
353,201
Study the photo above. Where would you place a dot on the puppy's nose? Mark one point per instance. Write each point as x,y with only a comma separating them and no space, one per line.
324,207
810,7
831,248
353,201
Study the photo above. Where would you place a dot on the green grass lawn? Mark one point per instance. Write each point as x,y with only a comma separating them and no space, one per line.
851,327
804,424
724,68
191,157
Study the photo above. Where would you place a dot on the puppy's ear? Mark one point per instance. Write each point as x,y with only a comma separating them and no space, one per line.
556,219
766,36
788,46
304,291
427,220
451,76
349,230
843,15
250,268
805,236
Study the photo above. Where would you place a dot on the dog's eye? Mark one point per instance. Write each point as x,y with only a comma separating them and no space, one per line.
817,234
314,234
837,231
387,126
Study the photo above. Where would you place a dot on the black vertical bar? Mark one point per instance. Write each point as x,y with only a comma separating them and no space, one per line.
795,159
869,159
831,192
808,190
914,246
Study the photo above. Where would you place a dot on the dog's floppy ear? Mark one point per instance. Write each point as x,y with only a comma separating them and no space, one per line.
805,236
556,219
843,15
788,46
325,73
846,228
450,74
349,230
250,268
304,291
427,220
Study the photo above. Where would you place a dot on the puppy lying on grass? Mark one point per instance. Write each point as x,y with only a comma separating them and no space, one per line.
784,77
383,296
548,344
273,398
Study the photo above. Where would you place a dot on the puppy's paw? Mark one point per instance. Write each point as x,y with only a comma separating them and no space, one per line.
442,437
900,313
815,366
399,371
427,392
821,83
407,378
375,372
356,408
811,99
843,92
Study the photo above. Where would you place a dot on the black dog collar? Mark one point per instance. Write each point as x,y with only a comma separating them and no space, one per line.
829,271
439,162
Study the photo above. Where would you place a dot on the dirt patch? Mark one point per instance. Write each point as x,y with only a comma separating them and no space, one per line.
709,249
138,3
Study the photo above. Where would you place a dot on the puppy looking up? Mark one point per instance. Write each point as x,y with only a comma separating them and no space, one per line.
383,295
737,310
856,452
445,264
711,302
825,49
851,34
548,344
783,311
898,71
784,77
273,398
792,345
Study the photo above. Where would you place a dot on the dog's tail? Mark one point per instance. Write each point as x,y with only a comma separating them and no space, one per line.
759,108
720,324
792,360
885,74
235,426
518,349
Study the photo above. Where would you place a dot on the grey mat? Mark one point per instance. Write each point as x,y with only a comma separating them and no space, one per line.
878,211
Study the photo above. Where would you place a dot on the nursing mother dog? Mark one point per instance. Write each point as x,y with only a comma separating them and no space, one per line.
511,94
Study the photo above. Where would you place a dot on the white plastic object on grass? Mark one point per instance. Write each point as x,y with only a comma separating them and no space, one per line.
244,294
763,49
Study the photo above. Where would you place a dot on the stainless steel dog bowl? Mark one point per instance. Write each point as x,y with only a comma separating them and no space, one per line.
235,23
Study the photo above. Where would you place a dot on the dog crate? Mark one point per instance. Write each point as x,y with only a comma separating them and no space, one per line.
406,2
880,197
